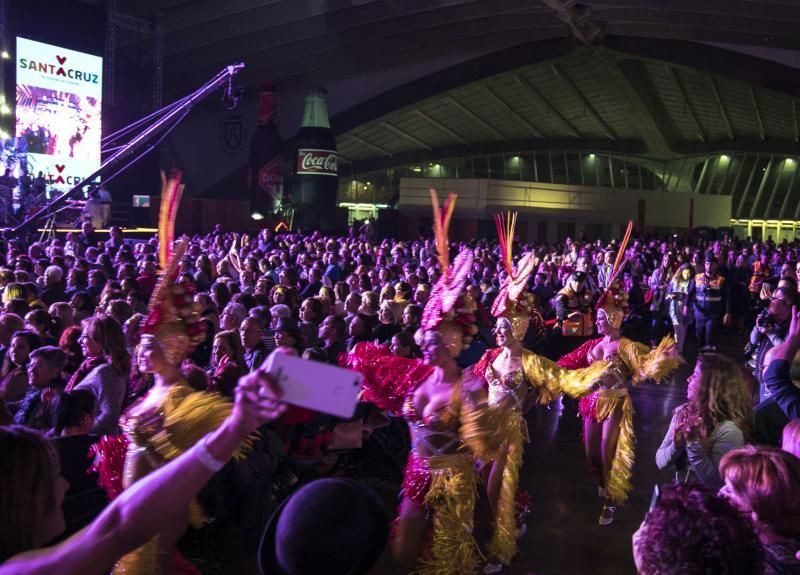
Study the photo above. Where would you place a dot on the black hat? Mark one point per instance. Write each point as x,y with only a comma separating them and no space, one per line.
288,325
331,526
711,258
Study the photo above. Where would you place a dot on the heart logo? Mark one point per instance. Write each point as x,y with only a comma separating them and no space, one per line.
60,168
61,59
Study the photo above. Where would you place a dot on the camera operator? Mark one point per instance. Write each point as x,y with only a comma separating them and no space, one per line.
770,330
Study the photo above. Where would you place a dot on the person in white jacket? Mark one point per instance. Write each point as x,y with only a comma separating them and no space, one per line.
717,418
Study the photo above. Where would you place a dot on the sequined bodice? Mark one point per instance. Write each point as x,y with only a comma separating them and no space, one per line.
141,425
501,386
439,420
617,374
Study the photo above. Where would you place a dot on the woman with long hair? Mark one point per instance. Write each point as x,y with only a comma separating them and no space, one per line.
105,370
717,418
676,300
764,483
70,343
659,285
14,370
171,417
227,362
32,496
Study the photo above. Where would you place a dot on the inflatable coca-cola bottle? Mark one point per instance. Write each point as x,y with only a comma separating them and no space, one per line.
265,173
316,179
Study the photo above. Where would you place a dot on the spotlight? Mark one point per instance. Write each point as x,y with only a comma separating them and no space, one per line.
5,55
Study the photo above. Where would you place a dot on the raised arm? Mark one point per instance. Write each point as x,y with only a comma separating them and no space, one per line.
387,378
140,511
778,375
646,363
551,380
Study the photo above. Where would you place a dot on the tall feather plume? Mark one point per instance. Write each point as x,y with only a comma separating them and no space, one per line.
618,263
506,223
171,192
441,227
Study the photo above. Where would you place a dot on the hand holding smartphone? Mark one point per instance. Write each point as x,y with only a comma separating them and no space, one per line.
314,385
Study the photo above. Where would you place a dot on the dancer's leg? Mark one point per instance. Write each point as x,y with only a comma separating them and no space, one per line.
592,441
495,481
610,433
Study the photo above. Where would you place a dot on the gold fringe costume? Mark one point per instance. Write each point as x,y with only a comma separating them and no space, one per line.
444,484
549,381
635,362
513,304
163,430
160,435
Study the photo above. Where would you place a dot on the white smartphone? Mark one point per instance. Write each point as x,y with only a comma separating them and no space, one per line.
314,385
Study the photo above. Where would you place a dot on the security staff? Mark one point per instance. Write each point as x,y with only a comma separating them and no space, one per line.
708,293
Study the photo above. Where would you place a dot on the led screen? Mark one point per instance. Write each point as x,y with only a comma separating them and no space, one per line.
58,120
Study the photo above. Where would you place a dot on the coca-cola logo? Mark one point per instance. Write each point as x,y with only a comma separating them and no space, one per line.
317,162
270,177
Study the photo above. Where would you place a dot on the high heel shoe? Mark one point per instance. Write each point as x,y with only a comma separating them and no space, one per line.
607,515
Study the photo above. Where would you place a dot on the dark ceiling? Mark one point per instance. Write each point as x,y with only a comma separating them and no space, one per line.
635,76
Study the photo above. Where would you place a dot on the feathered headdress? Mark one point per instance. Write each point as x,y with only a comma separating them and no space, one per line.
512,300
614,301
448,310
173,319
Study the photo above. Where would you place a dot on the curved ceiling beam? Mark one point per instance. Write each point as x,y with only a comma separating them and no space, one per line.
305,38
508,108
270,25
564,77
475,118
440,82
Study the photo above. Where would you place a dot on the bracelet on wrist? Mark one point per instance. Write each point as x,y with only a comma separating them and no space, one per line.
204,456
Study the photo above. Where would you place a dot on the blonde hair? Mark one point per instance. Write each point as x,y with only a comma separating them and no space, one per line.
791,438
394,308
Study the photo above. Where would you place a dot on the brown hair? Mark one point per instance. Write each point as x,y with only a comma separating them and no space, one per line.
231,339
107,332
27,494
767,479
722,394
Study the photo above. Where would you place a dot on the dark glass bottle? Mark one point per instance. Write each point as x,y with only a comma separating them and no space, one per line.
316,180
265,173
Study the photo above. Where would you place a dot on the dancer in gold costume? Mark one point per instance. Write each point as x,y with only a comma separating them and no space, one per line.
171,417
512,373
449,419
608,413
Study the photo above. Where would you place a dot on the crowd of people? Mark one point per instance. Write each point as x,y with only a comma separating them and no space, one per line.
158,351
